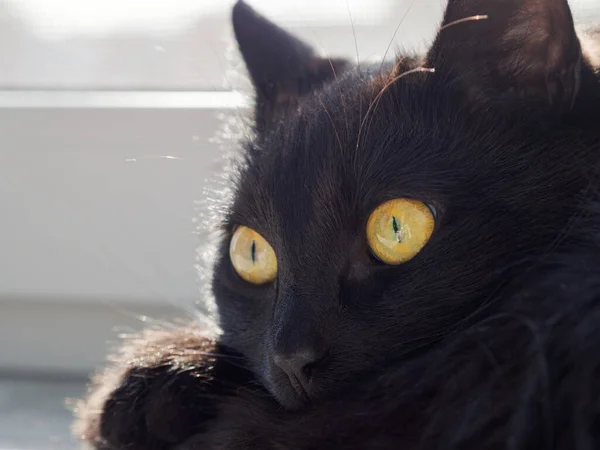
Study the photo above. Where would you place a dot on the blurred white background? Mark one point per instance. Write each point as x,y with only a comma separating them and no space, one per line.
108,110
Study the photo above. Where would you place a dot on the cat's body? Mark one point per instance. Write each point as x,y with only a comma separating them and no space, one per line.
488,338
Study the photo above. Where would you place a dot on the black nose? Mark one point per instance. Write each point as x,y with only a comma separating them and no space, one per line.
299,365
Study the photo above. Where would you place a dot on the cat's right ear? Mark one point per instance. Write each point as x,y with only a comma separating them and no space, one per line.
282,68
506,49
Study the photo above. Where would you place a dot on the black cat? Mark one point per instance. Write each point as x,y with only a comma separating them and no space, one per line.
411,259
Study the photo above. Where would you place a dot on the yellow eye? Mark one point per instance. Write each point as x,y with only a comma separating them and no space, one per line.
252,257
398,229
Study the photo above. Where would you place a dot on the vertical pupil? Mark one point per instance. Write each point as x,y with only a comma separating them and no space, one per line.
396,229
253,251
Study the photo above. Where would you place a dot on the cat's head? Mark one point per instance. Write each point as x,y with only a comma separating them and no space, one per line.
379,211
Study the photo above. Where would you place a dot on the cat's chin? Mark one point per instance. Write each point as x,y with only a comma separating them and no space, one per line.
287,394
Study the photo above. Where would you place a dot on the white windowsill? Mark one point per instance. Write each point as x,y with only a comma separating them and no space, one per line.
109,99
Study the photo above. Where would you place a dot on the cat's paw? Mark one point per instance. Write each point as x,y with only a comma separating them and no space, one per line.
162,388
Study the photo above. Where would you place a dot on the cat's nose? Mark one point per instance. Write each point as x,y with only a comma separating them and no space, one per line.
300,365
298,347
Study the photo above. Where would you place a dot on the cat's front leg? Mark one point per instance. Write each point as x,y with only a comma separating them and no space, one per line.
162,388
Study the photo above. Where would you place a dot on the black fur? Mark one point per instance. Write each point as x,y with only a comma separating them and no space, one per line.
489,338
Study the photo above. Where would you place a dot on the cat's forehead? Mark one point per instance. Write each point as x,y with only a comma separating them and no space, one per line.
361,126
343,121
346,148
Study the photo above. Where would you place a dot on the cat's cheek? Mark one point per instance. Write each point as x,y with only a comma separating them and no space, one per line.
244,313
230,289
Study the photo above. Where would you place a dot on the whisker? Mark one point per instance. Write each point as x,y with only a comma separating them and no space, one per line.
396,32
342,101
354,34
373,105
326,55
337,135
240,116
465,19
191,367
138,317
332,68
335,76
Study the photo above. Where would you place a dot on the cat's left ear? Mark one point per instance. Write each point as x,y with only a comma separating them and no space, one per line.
500,49
282,68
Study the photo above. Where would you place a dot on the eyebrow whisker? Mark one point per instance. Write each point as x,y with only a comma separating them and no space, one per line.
465,19
373,105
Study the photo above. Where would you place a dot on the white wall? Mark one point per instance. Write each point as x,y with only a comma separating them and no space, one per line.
96,225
